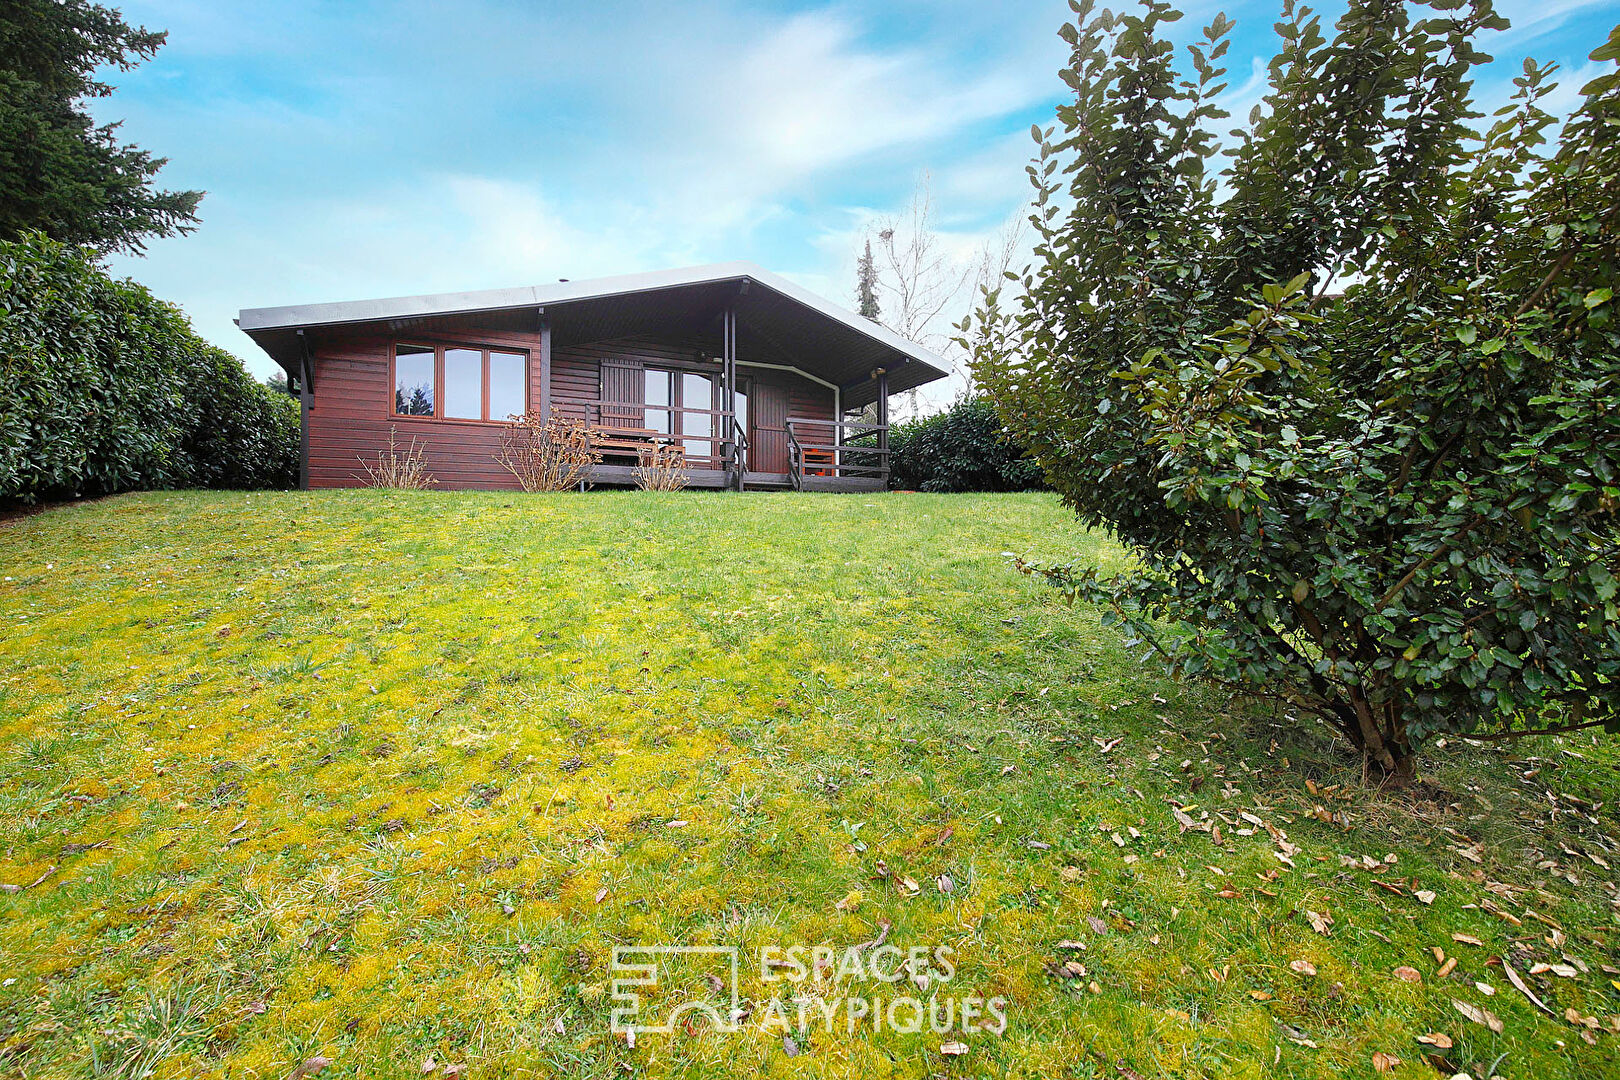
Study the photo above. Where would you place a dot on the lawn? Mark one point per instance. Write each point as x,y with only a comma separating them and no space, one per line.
383,778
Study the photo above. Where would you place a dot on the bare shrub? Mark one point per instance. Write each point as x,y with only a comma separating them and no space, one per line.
396,468
547,454
662,468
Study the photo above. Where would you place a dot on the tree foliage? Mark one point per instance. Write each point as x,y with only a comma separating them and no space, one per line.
1356,410
60,172
964,448
866,286
104,388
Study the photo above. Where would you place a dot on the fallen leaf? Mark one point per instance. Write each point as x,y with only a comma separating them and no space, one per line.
1304,967
1320,922
1436,1040
309,1068
1485,988
1446,968
1425,896
1466,939
945,883
1096,924
1408,974
678,823
1384,1062
953,1049
910,886
789,1047
601,894
429,1065
1478,1015
1518,984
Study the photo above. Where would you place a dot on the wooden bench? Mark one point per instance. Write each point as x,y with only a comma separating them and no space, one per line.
635,442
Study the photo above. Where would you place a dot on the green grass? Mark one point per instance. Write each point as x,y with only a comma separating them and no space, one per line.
383,777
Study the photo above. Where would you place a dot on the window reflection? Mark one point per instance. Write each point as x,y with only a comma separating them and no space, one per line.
464,384
697,392
413,380
659,390
507,376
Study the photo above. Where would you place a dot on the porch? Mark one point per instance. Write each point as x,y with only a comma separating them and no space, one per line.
759,383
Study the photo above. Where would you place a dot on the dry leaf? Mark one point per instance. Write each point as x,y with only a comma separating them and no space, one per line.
1425,896
1518,984
1320,922
1408,974
946,885
309,1068
1446,968
1096,924
1436,1040
953,1049
1466,939
601,894
429,1065
789,1047
1384,1062
1304,967
1478,1015
678,823
910,886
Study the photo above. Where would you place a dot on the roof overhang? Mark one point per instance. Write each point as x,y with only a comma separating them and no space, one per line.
777,321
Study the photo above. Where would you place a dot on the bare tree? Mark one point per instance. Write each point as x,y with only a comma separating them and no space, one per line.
918,277
923,282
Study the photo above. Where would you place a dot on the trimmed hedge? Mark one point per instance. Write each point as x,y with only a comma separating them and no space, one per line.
104,388
961,449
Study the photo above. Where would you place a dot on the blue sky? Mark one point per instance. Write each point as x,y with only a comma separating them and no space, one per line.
359,149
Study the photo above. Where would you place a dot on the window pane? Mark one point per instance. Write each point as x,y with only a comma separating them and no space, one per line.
508,374
696,393
657,392
742,423
464,383
413,380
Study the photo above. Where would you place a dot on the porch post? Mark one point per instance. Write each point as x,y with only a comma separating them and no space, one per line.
882,376
728,396
545,367
306,402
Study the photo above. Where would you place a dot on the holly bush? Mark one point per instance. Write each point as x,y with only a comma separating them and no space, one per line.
1346,384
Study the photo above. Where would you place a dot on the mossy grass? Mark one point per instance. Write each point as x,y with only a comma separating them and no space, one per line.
384,776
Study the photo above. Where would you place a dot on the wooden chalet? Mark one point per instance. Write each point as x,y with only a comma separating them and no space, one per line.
759,383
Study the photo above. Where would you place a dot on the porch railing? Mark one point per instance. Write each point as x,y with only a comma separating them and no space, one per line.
830,450
624,424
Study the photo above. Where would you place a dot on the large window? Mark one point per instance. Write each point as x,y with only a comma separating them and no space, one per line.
456,382
668,397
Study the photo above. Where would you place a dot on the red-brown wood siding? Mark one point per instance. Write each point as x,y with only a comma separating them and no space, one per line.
775,396
351,413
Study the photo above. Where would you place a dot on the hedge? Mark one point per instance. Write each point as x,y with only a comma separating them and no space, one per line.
961,449
104,388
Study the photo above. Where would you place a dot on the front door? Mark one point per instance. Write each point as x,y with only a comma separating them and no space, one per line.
769,408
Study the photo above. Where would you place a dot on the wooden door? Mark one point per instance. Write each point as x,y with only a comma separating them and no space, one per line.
768,409
622,386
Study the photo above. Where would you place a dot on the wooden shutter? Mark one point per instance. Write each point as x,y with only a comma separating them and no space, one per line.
622,385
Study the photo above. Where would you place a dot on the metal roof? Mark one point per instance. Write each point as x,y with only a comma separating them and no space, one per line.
771,312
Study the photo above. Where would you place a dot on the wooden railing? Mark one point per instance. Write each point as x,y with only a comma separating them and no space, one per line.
822,451
622,425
